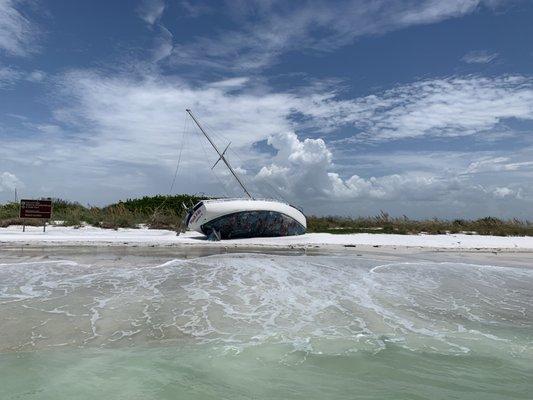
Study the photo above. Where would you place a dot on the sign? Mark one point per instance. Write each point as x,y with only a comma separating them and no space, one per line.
36,209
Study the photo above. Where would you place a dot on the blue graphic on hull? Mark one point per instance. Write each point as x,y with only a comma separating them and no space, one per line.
246,224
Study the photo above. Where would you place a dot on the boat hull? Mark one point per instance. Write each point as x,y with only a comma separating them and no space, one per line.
243,218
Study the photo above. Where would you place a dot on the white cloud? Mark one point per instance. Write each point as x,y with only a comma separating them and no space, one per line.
8,182
8,76
36,76
134,118
303,171
231,83
18,35
196,8
118,136
502,192
479,57
498,164
457,106
151,10
268,29
162,44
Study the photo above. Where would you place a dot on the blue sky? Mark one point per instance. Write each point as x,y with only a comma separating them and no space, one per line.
419,108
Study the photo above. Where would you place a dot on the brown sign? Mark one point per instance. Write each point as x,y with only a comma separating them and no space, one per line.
36,209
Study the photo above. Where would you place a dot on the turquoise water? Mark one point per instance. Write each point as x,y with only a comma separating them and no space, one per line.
263,372
265,327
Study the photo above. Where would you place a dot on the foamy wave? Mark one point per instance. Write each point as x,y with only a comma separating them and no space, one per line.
322,304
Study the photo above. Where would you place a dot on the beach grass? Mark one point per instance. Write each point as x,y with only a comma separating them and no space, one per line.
384,223
167,212
155,212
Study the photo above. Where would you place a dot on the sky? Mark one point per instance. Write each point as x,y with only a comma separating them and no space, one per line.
421,108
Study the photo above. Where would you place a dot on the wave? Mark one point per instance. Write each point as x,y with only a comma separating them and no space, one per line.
320,304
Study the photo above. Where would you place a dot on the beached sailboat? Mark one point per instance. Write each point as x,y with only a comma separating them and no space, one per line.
242,217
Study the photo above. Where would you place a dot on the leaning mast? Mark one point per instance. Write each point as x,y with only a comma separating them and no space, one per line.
221,155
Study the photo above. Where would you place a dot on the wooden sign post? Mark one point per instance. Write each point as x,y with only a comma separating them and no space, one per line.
35,209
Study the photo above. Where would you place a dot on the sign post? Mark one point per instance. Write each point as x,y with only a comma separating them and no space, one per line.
41,209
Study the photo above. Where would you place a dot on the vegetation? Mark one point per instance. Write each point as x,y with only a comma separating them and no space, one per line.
156,212
383,223
167,212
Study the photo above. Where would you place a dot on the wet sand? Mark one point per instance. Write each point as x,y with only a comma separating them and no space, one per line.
150,254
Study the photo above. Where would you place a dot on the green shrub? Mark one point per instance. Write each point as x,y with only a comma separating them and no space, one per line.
167,212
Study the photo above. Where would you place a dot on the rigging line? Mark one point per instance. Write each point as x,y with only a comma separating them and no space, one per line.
221,155
179,157
224,189
222,138
176,170
275,191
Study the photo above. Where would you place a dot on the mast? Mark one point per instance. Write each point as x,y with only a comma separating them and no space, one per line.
221,155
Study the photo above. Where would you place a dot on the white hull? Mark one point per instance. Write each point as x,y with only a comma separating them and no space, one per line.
205,212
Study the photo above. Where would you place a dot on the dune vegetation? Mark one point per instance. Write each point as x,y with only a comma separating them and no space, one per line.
167,212
155,212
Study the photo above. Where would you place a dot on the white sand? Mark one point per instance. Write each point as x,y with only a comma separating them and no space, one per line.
56,235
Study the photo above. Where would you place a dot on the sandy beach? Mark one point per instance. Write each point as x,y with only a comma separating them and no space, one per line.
91,236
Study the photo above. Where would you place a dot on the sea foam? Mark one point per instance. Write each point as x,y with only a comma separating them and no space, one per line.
321,304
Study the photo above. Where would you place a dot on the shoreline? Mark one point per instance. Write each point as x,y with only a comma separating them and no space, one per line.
34,237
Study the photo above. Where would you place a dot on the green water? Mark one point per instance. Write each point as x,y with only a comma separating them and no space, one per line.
263,372
265,327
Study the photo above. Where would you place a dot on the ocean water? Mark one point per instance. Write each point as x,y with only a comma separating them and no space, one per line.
259,326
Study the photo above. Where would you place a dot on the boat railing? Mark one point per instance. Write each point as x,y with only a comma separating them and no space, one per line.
242,199
248,199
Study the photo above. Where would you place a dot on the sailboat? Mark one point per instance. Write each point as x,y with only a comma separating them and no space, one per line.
233,218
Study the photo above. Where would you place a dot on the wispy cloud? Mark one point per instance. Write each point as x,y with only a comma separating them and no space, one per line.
479,57
457,106
18,35
144,112
269,29
151,10
196,8
499,164
8,76
130,126
36,76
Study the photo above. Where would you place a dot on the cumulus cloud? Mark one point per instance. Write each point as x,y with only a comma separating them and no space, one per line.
8,182
479,57
18,35
300,168
269,29
304,170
